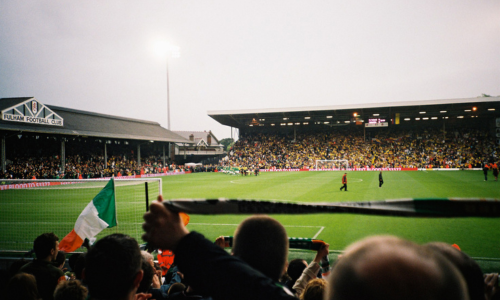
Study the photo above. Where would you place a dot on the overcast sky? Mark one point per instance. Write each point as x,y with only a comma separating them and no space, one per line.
238,54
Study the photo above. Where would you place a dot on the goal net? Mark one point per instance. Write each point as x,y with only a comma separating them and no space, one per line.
29,208
335,164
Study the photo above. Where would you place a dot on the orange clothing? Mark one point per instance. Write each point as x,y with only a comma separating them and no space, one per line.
344,179
166,257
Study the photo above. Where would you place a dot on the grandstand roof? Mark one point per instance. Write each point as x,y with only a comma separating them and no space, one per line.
340,113
82,123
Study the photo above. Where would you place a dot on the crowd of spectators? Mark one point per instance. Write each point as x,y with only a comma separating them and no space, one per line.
83,162
80,166
386,148
114,268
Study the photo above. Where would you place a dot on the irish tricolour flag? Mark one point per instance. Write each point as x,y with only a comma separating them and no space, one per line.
99,214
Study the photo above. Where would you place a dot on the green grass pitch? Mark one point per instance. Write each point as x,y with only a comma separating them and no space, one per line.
478,237
24,214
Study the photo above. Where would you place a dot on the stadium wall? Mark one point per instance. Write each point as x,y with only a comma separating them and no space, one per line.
49,182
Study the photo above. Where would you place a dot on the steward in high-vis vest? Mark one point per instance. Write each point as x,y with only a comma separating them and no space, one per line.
344,182
494,167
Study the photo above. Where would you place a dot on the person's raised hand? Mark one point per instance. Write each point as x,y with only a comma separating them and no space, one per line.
156,284
490,285
322,252
163,227
143,296
220,242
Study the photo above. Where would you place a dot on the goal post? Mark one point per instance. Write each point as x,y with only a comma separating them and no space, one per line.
29,208
332,164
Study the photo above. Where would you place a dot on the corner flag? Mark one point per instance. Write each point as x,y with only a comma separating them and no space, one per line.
99,214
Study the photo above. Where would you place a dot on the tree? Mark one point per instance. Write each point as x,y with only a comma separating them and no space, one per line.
227,142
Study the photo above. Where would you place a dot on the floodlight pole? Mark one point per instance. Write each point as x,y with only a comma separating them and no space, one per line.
3,155
168,97
170,52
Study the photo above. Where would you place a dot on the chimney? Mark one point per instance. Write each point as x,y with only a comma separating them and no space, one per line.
209,139
191,137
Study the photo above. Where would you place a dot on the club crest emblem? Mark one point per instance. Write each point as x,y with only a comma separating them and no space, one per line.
34,107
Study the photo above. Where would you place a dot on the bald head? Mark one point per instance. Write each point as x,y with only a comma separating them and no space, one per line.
386,267
262,242
468,267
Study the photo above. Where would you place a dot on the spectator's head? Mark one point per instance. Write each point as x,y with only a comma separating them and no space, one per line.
147,279
22,286
70,290
72,261
467,266
295,268
148,257
113,267
262,242
60,259
314,290
45,246
385,267
79,266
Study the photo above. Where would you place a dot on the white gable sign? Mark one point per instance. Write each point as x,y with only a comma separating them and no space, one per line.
33,112
202,143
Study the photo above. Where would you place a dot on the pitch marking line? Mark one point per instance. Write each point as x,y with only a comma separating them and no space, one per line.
300,226
321,228
317,233
355,180
37,223
236,181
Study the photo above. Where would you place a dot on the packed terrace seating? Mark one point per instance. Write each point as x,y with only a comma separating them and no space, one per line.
387,148
87,161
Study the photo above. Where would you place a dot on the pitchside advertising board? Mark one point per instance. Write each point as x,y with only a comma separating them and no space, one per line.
33,112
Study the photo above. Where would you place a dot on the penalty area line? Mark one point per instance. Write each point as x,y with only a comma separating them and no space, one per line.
295,226
317,233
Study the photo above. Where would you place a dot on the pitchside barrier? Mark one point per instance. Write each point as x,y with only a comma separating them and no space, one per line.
29,208
488,265
432,207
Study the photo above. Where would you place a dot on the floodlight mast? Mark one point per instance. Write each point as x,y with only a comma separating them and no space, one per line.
171,52
168,98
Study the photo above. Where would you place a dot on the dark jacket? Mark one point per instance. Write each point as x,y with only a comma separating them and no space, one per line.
47,277
212,271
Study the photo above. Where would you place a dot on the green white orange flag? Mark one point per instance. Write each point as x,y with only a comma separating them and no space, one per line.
99,214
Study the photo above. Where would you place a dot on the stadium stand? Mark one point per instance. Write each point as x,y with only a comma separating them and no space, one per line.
87,162
469,148
449,133
209,270
44,141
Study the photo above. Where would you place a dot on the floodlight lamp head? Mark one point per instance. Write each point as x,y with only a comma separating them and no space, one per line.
163,48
